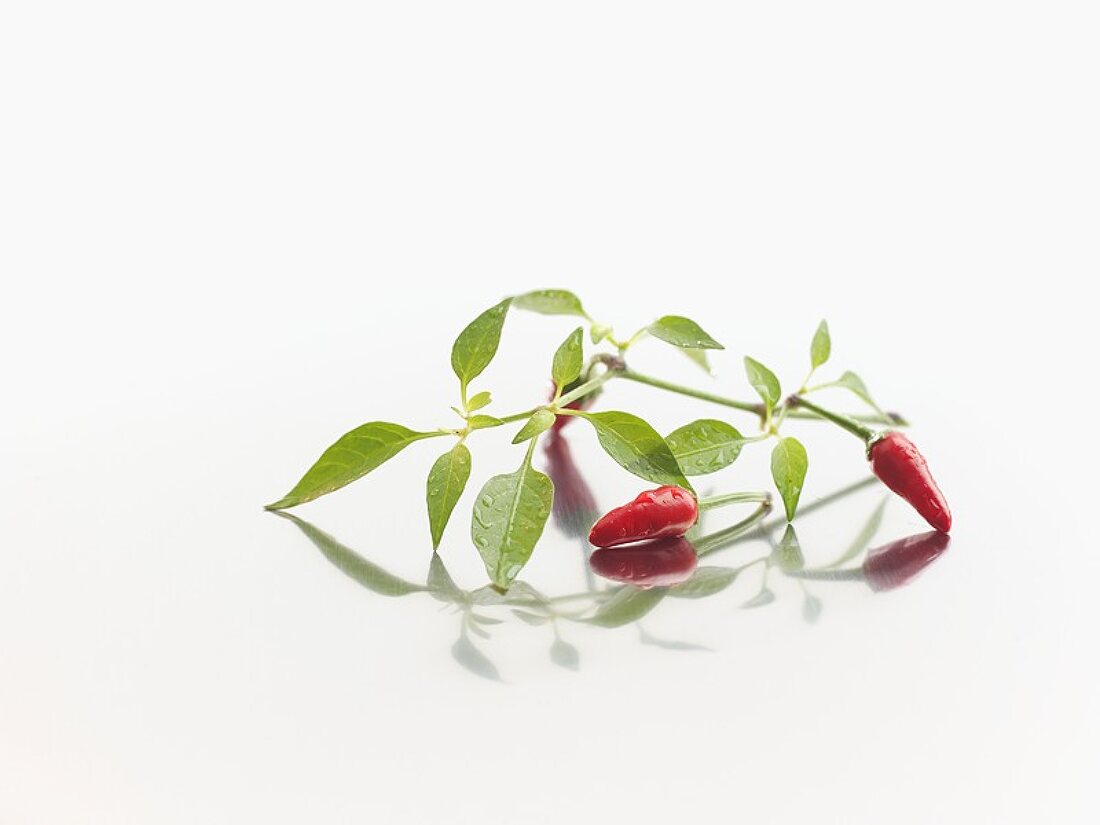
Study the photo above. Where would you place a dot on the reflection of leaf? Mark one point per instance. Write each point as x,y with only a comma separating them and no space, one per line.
811,609
565,655
627,605
866,534
788,553
440,584
530,618
519,593
705,581
477,631
646,639
765,596
354,566
477,617
474,660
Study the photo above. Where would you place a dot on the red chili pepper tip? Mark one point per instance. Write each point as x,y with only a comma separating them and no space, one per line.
662,513
900,466
659,563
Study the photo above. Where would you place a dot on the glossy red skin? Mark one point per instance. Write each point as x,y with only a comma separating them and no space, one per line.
658,563
901,467
899,562
662,513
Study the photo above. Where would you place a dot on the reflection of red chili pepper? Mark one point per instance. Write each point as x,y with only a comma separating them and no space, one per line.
661,513
899,562
901,467
580,404
660,563
574,507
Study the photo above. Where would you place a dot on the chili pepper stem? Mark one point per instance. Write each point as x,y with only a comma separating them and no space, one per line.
586,388
866,434
721,538
733,498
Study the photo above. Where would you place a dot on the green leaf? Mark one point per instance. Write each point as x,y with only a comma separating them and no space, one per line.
509,515
446,481
705,581
789,464
627,605
821,346
787,555
550,302
477,344
705,446
481,422
539,422
763,380
637,447
569,358
699,356
682,332
482,399
352,456
854,384
352,565
599,332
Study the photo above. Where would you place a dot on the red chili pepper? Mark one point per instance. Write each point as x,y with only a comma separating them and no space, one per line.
899,562
901,467
580,404
661,513
660,563
574,507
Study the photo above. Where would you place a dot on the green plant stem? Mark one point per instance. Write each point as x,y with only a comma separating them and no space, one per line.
721,538
586,388
842,421
733,498
638,377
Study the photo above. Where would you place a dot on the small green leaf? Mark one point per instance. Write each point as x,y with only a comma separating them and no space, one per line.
682,332
705,446
787,555
599,332
482,399
637,447
476,345
352,456
699,356
481,422
509,516
821,347
446,481
627,605
539,422
763,380
789,464
569,358
705,581
854,384
352,565
550,302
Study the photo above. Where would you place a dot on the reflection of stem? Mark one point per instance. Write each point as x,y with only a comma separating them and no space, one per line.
733,498
721,538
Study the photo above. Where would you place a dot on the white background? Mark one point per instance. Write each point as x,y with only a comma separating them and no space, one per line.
230,231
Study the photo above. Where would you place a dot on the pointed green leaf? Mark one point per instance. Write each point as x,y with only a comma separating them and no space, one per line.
787,555
482,399
352,565
682,332
699,356
705,581
550,302
539,422
352,456
789,464
821,346
481,422
476,345
509,516
599,332
637,447
854,384
446,481
569,358
705,446
627,605
763,380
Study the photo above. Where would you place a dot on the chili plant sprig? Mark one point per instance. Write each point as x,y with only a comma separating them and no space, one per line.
511,510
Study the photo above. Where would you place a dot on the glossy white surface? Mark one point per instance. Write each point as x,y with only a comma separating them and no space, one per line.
236,232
